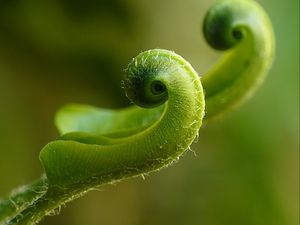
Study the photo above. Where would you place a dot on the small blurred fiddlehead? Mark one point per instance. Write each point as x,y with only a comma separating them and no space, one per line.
100,146
244,31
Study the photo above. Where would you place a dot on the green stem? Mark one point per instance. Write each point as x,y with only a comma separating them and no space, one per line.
21,198
47,204
80,161
100,146
244,30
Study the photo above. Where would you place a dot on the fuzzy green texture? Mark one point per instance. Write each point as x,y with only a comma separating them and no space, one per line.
243,29
99,146
22,198
80,161
82,158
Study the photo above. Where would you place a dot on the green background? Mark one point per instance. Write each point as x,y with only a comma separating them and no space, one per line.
242,171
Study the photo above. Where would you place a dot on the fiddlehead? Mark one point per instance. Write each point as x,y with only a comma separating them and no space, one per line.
244,31
241,29
179,82
80,161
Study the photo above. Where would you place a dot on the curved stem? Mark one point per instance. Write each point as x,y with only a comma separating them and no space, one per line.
244,30
21,198
101,146
80,161
47,204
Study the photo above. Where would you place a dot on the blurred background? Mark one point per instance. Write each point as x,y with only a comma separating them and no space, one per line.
245,171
